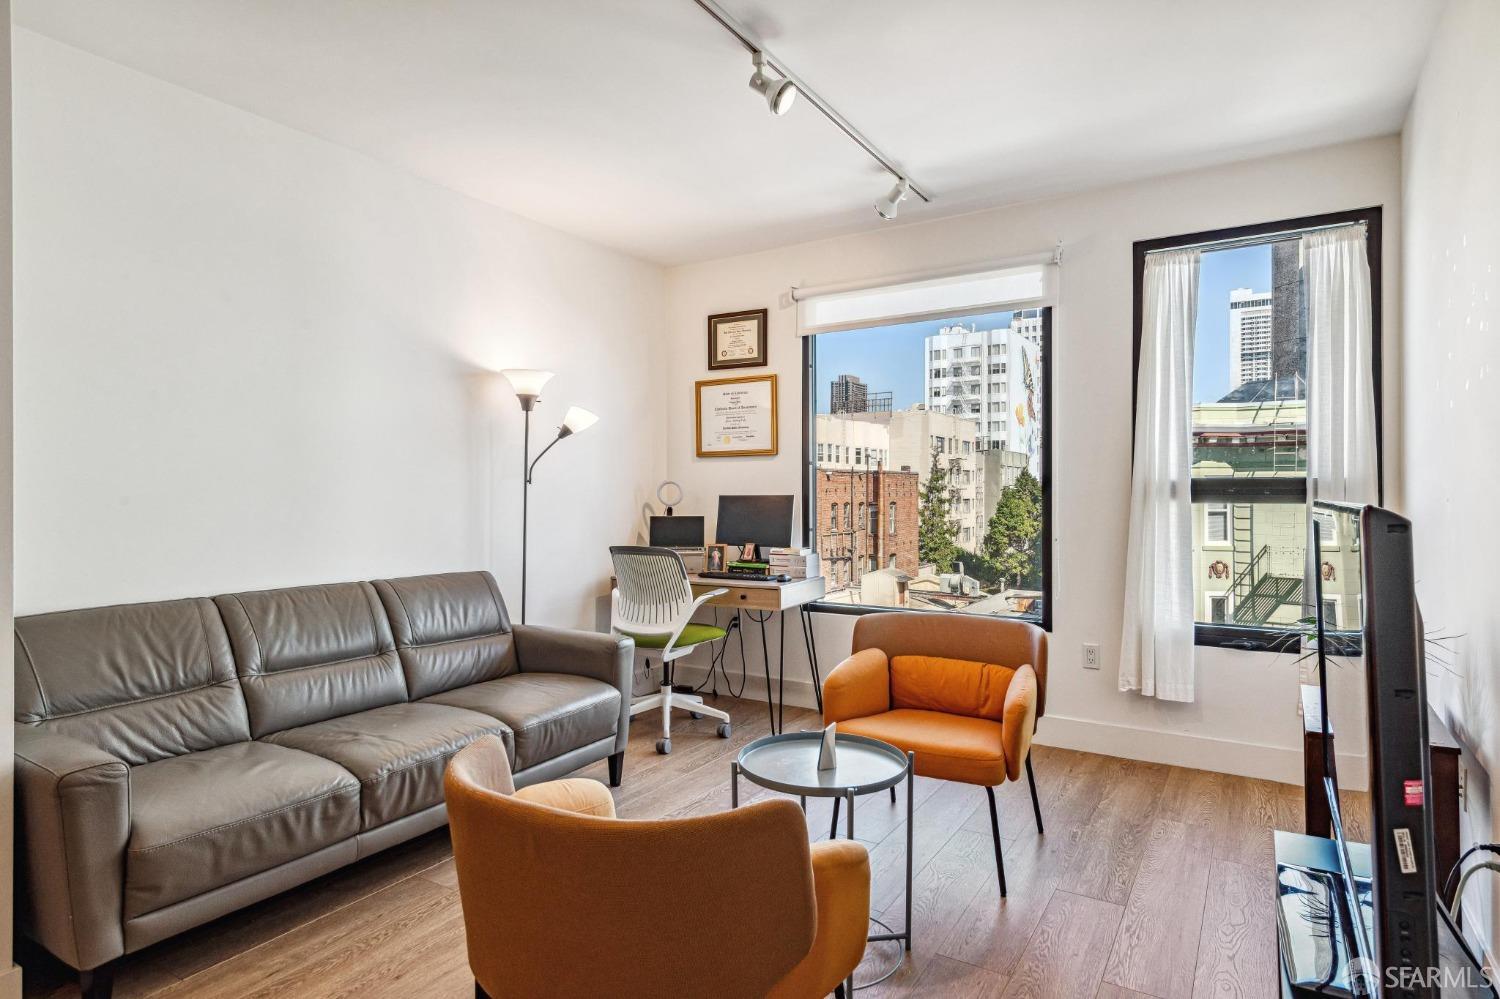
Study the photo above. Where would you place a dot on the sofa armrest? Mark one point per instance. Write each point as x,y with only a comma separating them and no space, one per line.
581,653
1019,721
610,658
858,687
841,886
571,794
72,830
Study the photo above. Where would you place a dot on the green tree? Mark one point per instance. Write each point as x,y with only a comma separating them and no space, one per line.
1013,539
937,535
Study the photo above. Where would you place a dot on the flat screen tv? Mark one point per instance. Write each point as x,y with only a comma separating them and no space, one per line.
1364,604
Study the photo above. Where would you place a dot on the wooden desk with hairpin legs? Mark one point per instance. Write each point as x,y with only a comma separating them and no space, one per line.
759,600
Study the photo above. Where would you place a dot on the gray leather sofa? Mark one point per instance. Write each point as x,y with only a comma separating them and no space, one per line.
178,760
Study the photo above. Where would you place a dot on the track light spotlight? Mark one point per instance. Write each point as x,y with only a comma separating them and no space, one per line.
886,206
779,94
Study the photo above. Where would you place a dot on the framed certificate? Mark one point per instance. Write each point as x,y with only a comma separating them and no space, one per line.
737,340
736,416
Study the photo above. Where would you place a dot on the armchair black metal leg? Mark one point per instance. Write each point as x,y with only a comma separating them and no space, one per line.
97,983
833,830
616,768
1036,804
479,992
995,831
838,991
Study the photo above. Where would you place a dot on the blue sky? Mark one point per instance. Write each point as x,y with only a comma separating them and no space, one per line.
1220,273
890,359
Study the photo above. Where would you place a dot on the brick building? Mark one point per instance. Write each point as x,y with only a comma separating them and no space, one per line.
867,520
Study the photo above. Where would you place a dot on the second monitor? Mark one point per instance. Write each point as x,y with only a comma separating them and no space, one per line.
763,521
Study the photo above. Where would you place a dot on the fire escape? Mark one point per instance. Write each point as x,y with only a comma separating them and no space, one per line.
1258,592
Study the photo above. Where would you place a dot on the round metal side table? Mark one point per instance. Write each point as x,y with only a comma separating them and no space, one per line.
788,763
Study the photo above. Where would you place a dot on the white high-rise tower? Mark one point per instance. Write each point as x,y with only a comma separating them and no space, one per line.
1249,337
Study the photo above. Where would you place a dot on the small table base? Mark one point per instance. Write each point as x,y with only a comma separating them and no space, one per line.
846,795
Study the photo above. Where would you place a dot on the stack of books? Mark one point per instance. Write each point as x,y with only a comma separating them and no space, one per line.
798,563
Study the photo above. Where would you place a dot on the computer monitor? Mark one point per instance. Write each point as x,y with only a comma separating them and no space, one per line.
763,521
677,532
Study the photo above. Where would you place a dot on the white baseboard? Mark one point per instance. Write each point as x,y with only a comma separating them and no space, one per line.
1196,752
10,983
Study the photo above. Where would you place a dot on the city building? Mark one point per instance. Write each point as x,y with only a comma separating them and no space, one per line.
915,434
976,373
1249,336
1000,469
867,520
846,443
1267,337
1250,557
849,394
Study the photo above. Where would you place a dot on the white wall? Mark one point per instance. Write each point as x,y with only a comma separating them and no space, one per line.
1451,407
246,357
10,975
1244,720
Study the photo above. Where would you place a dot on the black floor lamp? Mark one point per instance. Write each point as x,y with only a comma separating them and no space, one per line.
527,383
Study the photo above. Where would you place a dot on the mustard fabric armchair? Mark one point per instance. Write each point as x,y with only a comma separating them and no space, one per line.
961,692
553,887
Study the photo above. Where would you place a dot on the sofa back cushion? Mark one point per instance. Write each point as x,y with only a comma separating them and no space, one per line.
451,630
953,686
309,653
142,682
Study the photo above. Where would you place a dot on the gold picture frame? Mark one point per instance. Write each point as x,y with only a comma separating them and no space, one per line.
742,417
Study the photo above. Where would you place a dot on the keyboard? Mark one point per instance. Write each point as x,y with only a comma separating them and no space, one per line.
751,577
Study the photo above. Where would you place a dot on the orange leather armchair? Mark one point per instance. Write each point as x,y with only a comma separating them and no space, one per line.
961,692
562,898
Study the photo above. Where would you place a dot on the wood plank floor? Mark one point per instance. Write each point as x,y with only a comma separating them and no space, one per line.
1151,881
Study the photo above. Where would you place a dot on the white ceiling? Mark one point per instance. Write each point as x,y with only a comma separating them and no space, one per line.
629,121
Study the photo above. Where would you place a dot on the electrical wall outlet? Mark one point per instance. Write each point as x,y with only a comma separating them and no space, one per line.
1090,655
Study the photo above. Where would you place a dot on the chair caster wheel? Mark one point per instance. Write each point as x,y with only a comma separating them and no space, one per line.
664,746
695,716
724,730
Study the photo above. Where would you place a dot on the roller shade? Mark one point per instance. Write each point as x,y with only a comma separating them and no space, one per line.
1015,287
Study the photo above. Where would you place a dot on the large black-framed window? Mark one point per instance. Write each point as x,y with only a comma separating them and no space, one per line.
880,484
1249,486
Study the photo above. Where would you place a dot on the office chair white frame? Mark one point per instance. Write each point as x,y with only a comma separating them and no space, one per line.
659,601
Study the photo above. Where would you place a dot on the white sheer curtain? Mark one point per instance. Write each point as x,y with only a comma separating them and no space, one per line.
1156,643
1341,459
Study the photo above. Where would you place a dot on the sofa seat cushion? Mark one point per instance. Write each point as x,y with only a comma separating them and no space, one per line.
397,752
207,819
550,713
948,747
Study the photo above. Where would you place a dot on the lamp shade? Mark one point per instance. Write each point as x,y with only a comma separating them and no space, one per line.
578,420
527,382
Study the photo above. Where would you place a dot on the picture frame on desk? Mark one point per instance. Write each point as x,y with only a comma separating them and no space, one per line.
715,558
736,417
737,340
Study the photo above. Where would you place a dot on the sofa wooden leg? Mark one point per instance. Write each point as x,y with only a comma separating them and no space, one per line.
97,983
1036,805
616,768
995,831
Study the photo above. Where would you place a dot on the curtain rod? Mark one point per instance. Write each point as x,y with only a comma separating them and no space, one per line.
1235,242
753,44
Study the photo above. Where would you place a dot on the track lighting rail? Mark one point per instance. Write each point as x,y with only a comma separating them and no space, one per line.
751,43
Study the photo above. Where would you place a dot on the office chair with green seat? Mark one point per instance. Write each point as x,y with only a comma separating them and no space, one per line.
653,604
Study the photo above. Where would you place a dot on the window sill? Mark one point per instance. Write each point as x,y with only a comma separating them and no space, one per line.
859,610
